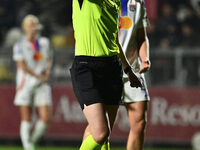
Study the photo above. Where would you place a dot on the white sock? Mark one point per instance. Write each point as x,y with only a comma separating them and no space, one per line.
25,128
39,130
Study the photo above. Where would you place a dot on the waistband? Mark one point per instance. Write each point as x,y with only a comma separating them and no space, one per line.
92,58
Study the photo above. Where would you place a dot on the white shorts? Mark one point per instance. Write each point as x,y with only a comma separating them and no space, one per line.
131,94
37,96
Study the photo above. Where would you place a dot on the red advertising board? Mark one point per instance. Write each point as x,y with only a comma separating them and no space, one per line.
174,115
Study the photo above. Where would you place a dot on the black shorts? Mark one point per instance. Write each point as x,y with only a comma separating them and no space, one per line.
97,80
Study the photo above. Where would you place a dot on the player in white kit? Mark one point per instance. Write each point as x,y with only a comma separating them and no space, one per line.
33,57
136,47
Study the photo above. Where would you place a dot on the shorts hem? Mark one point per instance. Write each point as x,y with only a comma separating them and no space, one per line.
135,101
44,104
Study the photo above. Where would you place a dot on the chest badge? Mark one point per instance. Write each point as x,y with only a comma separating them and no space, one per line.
38,56
125,22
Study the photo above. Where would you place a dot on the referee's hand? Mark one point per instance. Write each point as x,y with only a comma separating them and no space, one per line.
134,80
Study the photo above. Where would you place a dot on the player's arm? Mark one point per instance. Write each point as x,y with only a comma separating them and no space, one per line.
49,61
143,45
135,82
21,64
48,67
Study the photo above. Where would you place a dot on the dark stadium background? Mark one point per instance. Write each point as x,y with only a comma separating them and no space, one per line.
174,78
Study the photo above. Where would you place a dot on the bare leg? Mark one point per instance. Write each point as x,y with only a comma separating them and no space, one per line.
86,132
42,123
98,125
111,111
45,113
137,113
25,113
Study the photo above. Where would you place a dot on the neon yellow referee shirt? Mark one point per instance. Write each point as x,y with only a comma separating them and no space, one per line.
95,24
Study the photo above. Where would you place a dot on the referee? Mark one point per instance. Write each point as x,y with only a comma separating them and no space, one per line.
96,71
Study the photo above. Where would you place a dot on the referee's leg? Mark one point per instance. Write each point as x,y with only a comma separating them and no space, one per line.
111,112
97,121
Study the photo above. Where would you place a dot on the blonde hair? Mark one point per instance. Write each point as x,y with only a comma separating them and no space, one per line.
29,18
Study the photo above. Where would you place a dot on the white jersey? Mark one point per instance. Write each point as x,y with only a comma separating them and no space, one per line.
29,89
24,50
134,16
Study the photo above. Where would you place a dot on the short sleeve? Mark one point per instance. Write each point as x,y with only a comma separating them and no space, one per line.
17,52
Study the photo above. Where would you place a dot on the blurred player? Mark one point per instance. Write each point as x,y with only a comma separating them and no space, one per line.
33,58
96,71
136,47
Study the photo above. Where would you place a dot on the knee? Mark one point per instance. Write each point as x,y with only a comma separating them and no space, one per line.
46,119
101,136
139,125
142,124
